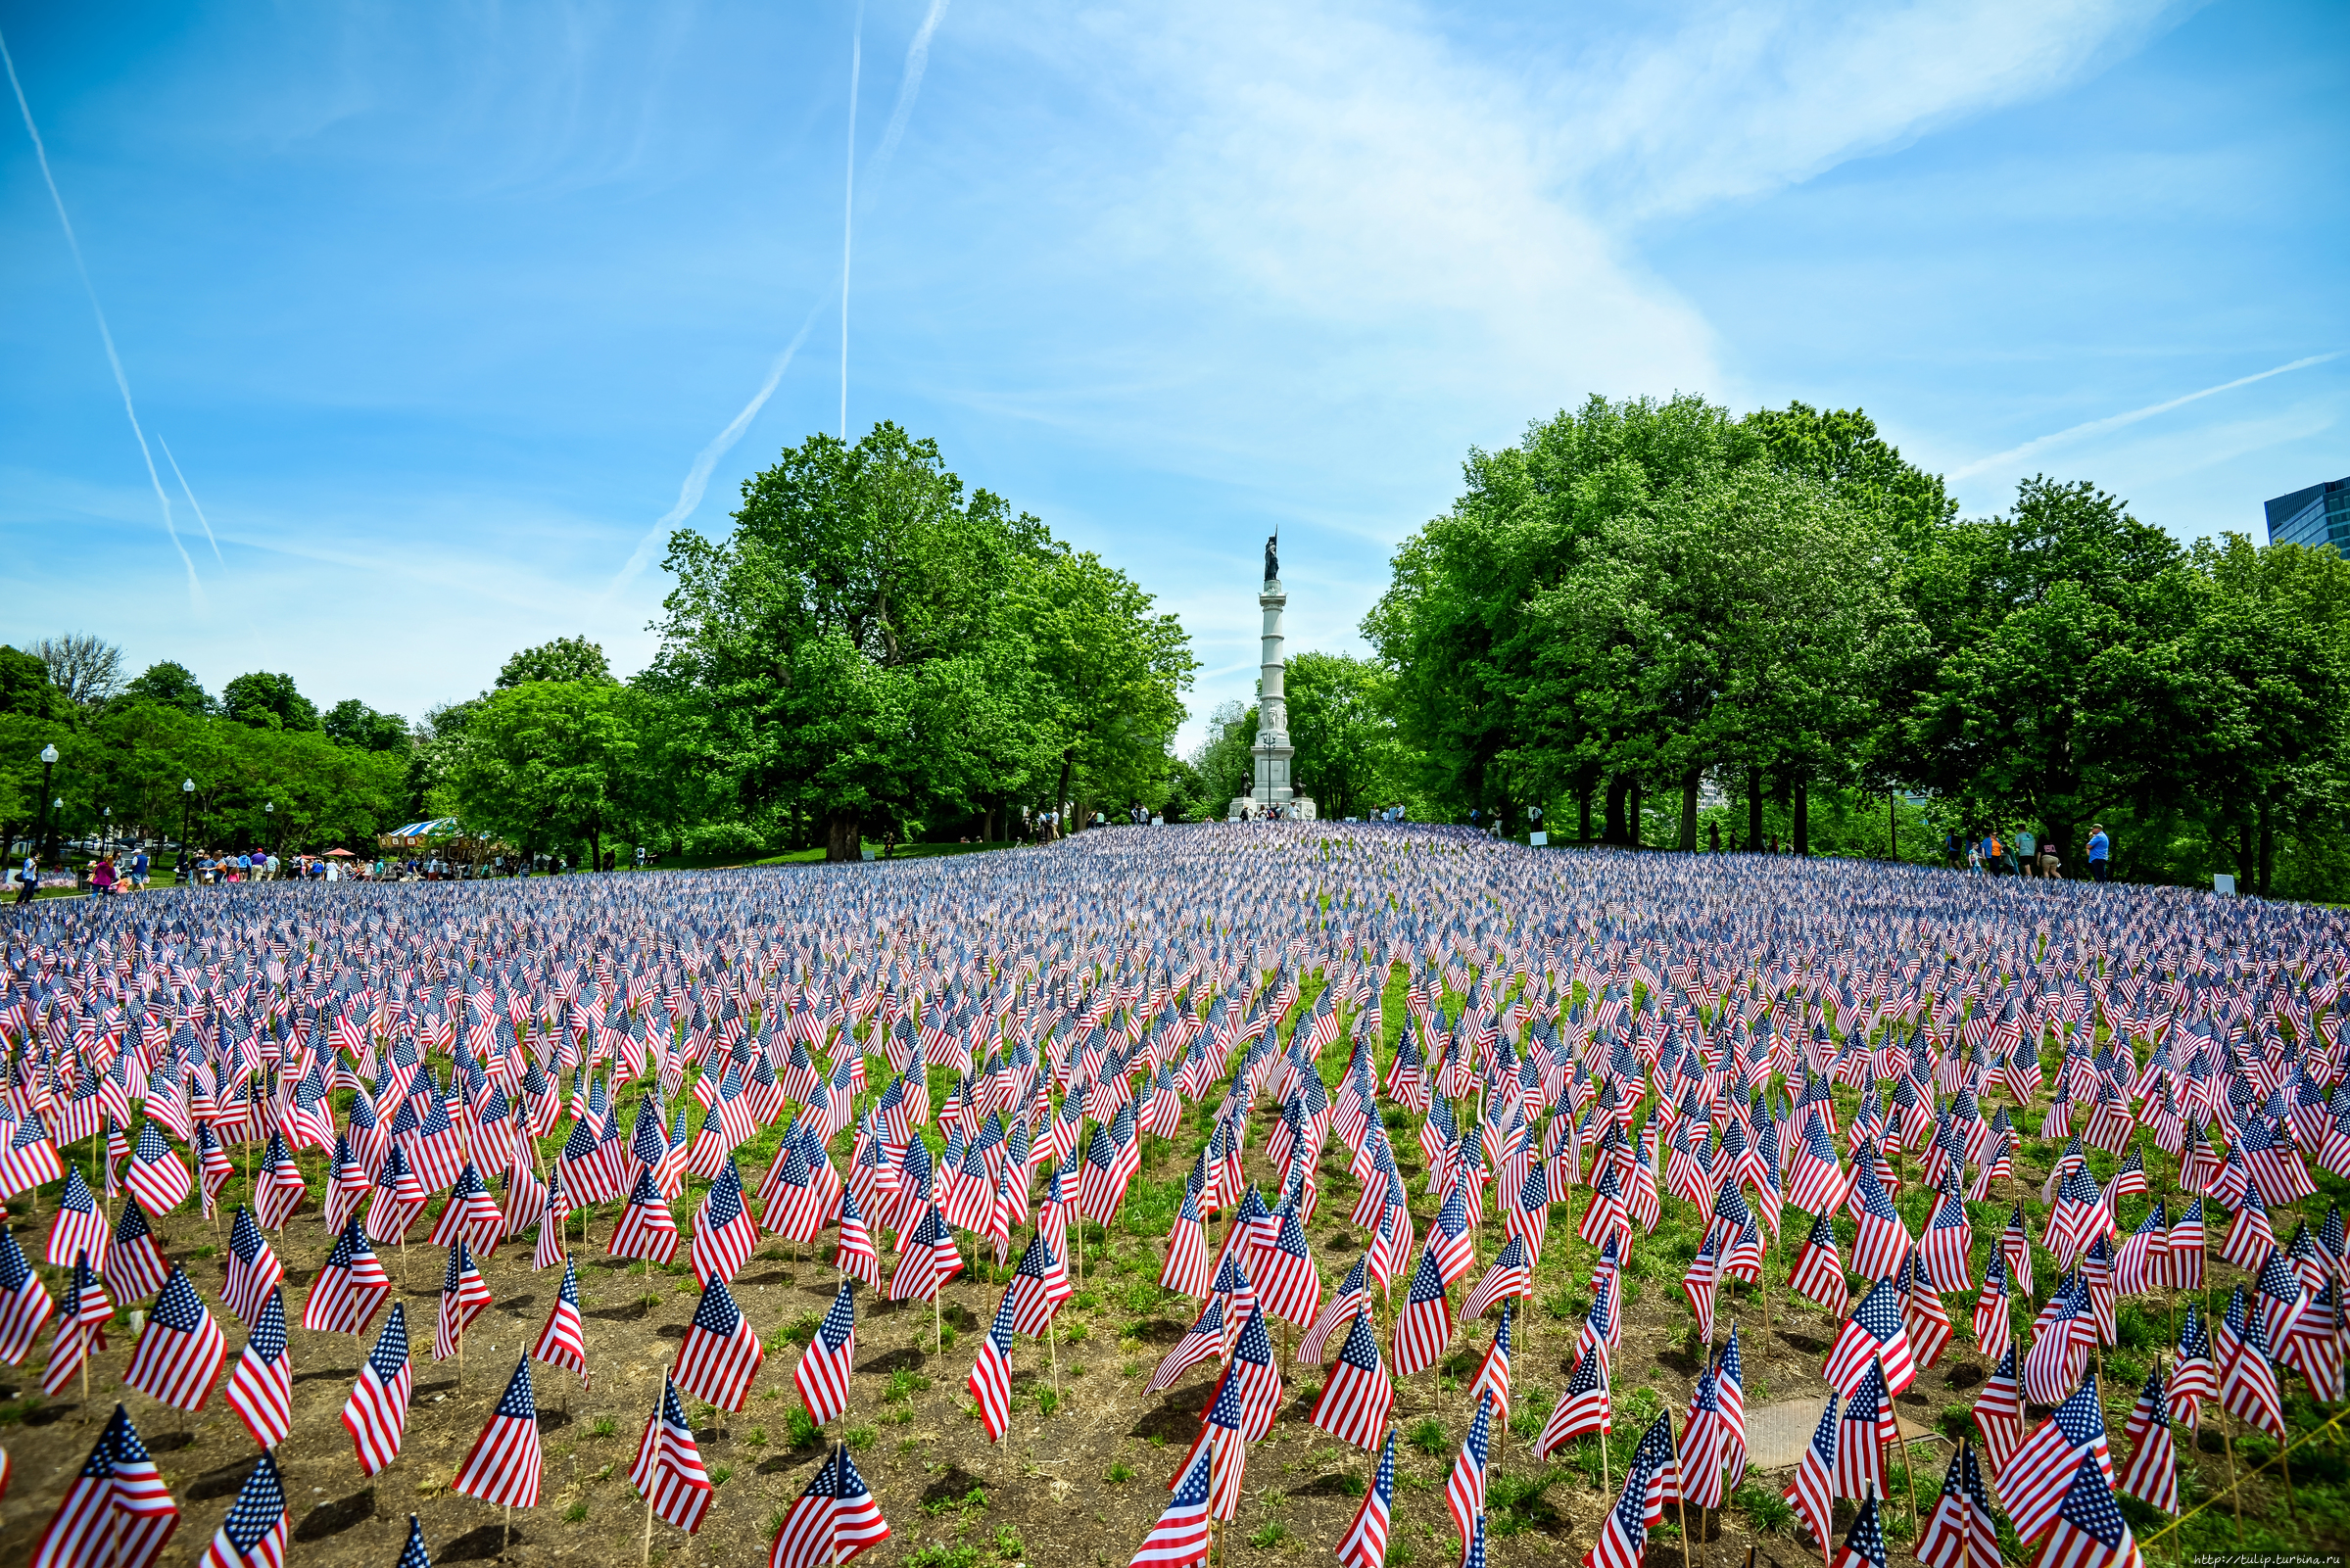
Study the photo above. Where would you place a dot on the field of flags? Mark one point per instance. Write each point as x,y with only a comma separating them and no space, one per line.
1949,1117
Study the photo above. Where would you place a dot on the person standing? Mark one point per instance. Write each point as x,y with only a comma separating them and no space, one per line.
2025,854
29,880
139,865
2100,850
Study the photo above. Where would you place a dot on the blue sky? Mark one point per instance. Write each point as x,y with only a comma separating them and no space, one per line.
440,311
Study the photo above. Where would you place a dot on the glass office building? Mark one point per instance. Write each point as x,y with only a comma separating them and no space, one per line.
2319,516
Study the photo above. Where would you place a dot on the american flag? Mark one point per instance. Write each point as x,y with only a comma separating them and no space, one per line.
723,1232
1039,1285
1861,1439
1287,1286
1882,1241
254,1535
260,1389
156,1178
822,1376
465,1296
2088,1531
1873,1336
1945,1244
1365,1543
1185,1269
81,1329
278,1188
2194,1378
1651,1481
1992,1330
1450,1246
646,1229
1353,1292
2000,1412
1356,1399
668,1473
1203,1341
254,1271
549,1247
855,1253
413,1555
720,1355
504,1466
1425,1324
2247,1377
1509,1275
181,1353
79,1227
2152,1474
1464,1487
928,1259
398,1199
990,1380
1811,1491
115,1513
1583,1410
349,1288
28,1159
134,1268
376,1413
563,1341
1180,1539
834,1520
470,1214
2037,1477
1818,1272
1960,1532
1864,1543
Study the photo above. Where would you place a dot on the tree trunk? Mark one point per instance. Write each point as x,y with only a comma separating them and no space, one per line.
596,845
2268,845
1754,809
1688,812
1615,833
1803,814
841,838
1632,814
1583,811
1060,812
2245,853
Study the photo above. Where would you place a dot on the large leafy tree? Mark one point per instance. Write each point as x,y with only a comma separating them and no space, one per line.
2061,693
353,722
852,644
170,684
566,658
1108,674
547,763
1742,620
266,701
1342,723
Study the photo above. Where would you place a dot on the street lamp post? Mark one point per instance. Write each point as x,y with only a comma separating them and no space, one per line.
40,837
187,804
106,834
269,825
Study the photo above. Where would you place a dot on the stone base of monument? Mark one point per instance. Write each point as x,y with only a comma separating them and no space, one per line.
1245,808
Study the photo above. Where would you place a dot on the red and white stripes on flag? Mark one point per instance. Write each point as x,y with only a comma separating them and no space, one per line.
564,1342
668,1472
260,1389
115,1513
376,1412
504,1462
179,1355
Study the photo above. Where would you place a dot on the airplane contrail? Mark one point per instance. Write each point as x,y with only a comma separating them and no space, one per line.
697,477
909,86
106,334
192,503
2098,427
848,203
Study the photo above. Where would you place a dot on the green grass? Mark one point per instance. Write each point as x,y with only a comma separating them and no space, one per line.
1429,1438
1269,1536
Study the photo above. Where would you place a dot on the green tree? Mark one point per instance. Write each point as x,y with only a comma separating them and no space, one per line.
264,701
1109,675
172,685
566,658
1342,723
544,763
353,722
27,689
1222,759
2060,693
852,645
